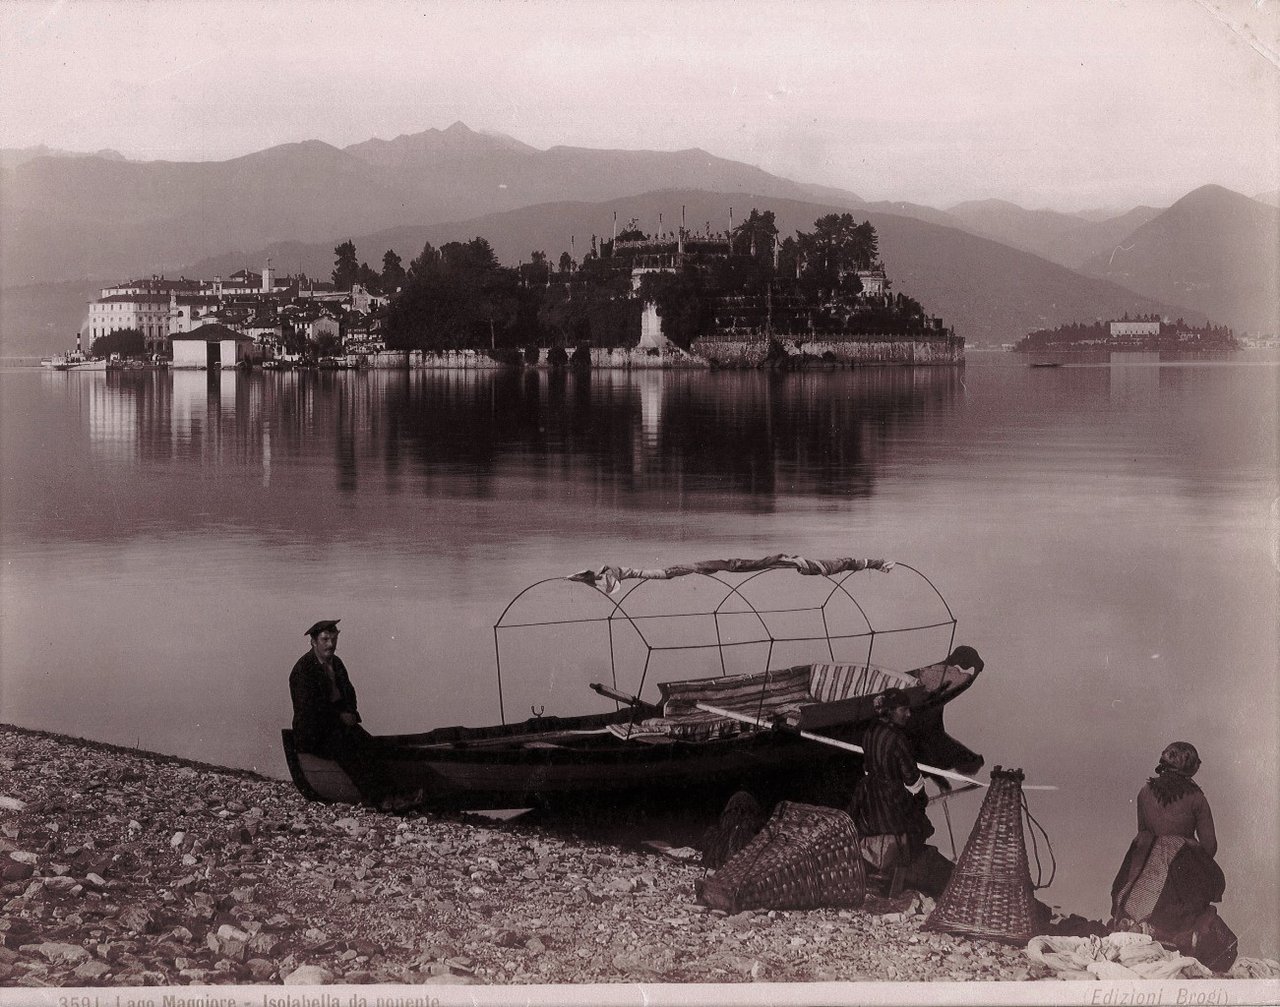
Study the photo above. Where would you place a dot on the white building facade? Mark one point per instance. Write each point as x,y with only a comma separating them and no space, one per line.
148,313
1135,330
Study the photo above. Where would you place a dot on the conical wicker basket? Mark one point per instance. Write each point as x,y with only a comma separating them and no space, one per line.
990,893
805,856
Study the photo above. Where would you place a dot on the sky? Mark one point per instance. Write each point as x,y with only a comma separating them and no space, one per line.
1065,104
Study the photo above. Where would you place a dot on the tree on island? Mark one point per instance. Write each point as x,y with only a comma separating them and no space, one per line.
347,271
126,342
537,270
393,273
327,344
346,268
827,258
755,236
458,297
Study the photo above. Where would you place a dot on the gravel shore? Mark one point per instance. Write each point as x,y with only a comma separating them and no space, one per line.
124,868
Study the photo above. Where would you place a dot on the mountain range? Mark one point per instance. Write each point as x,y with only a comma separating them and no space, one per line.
994,269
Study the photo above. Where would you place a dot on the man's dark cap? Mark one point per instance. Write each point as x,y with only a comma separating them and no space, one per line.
322,626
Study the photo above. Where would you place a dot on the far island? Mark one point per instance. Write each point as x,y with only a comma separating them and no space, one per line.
1140,334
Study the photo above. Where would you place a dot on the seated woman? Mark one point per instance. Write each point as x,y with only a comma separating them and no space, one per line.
1169,877
889,801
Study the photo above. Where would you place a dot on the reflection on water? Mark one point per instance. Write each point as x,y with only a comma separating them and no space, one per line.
653,439
1104,534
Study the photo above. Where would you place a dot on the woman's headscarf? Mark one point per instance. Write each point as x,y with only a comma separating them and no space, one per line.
890,700
1178,763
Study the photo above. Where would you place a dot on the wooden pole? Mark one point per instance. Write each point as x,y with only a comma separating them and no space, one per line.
823,739
622,697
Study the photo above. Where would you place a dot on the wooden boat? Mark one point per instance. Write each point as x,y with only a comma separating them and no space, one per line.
670,748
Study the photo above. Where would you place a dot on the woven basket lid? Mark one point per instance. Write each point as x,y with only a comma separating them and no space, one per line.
990,892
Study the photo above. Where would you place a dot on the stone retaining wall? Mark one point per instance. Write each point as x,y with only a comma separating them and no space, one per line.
387,359
924,349
602,358
718,351
452,360
634,358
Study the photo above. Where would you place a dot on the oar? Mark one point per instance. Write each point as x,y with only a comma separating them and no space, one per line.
622,697
946,794
823,739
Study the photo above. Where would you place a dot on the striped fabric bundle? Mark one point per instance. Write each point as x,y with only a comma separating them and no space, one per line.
765,695
831,682
755,695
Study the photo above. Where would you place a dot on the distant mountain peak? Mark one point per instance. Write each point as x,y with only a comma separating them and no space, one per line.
433,144
980,204
1211,191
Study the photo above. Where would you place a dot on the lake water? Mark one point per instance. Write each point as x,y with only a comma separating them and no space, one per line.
1106,535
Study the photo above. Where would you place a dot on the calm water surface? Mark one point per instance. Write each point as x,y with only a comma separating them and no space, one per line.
1105,534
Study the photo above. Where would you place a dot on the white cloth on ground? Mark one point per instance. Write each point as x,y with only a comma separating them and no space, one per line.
1116,956
1255,968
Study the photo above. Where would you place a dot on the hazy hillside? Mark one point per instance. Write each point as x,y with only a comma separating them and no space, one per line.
71,218
68,218
1068,239
43,319
481,173
11,157
990,292
1214,250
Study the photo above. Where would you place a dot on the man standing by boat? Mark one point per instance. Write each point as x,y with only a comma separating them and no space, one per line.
889,802
326,721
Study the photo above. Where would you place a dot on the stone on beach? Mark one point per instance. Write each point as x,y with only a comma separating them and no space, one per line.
307,975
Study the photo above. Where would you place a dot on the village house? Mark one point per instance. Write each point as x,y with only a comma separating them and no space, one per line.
252,304
363,334
324,328
212,347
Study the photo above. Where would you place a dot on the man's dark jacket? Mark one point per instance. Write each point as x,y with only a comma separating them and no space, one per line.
317,722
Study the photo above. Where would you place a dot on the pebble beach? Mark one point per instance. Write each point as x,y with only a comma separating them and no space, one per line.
125,868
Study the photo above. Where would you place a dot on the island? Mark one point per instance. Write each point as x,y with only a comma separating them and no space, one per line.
744,297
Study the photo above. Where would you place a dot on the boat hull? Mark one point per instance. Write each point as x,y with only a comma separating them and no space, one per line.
536,772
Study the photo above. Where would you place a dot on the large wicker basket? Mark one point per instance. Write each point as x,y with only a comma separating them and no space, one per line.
805,856
990,893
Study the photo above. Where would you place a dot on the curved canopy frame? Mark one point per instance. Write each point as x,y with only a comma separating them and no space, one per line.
613,600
